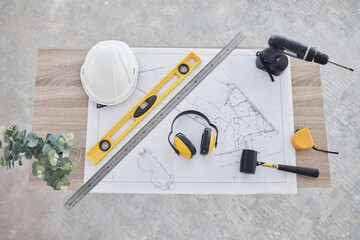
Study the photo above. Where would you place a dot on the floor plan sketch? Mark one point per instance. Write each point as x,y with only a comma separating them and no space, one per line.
239,117
250,111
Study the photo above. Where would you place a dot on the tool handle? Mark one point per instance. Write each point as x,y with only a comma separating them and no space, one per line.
293,48
280,42
312,172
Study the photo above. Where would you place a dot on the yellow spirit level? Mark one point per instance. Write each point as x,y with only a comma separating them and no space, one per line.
140,110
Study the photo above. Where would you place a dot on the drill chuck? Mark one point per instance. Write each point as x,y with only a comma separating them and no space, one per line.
321,58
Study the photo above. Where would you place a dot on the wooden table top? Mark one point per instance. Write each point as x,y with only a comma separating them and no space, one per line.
61,105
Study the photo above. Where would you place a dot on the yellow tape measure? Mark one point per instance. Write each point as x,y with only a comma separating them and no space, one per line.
140,110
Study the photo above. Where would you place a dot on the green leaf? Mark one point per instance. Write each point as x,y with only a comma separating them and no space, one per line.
37,152
46,149
31,136
61,173
41,155
52,178
53,168
20,161
6,139
20,135
7,154
2,161
61,161
40,176
61,141
32,143
57,181
0,144
39,146
49,166
46,175
14,145
28,154
15,150
43,160
10,144
32,139
53,140
62,149
40,168
67,166
65,148
57,185
15,131
53,158
41,142
34,165
65,181
52,153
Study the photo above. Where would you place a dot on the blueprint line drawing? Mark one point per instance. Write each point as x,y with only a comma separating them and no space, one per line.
237,114
249,111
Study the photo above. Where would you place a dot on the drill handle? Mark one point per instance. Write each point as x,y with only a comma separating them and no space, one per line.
292,48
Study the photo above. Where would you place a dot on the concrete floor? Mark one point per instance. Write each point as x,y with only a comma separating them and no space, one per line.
332,26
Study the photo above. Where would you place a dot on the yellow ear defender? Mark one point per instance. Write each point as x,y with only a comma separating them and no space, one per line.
184,147
302,140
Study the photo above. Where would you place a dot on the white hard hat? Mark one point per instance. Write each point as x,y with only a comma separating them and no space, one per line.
109,73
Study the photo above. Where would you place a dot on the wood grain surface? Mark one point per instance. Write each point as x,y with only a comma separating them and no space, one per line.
60,105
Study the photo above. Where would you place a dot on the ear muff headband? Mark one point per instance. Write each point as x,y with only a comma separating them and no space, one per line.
196,113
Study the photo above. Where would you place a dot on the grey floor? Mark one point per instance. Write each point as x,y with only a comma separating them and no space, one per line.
331,213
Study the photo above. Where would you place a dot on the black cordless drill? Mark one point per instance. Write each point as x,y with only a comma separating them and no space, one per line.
274,61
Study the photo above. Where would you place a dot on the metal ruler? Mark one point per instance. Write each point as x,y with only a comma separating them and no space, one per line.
139,136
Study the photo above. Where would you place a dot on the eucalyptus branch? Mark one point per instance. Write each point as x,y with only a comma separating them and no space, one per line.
51,165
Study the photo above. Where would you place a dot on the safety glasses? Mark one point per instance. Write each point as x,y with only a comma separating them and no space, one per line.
160,176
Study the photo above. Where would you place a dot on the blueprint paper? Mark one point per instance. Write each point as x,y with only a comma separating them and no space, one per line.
250,111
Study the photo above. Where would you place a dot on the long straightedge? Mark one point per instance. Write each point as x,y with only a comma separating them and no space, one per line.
137,138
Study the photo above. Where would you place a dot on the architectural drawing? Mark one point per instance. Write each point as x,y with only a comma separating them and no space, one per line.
240,122
249,111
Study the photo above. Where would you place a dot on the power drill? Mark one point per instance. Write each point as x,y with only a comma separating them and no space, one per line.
274,61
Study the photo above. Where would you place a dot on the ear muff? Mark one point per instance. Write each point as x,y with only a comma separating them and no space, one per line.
207,141
184,146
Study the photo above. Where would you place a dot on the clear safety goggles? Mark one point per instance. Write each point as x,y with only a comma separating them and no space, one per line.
160,176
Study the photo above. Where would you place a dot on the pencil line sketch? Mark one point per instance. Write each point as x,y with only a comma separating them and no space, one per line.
248,110
241,123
